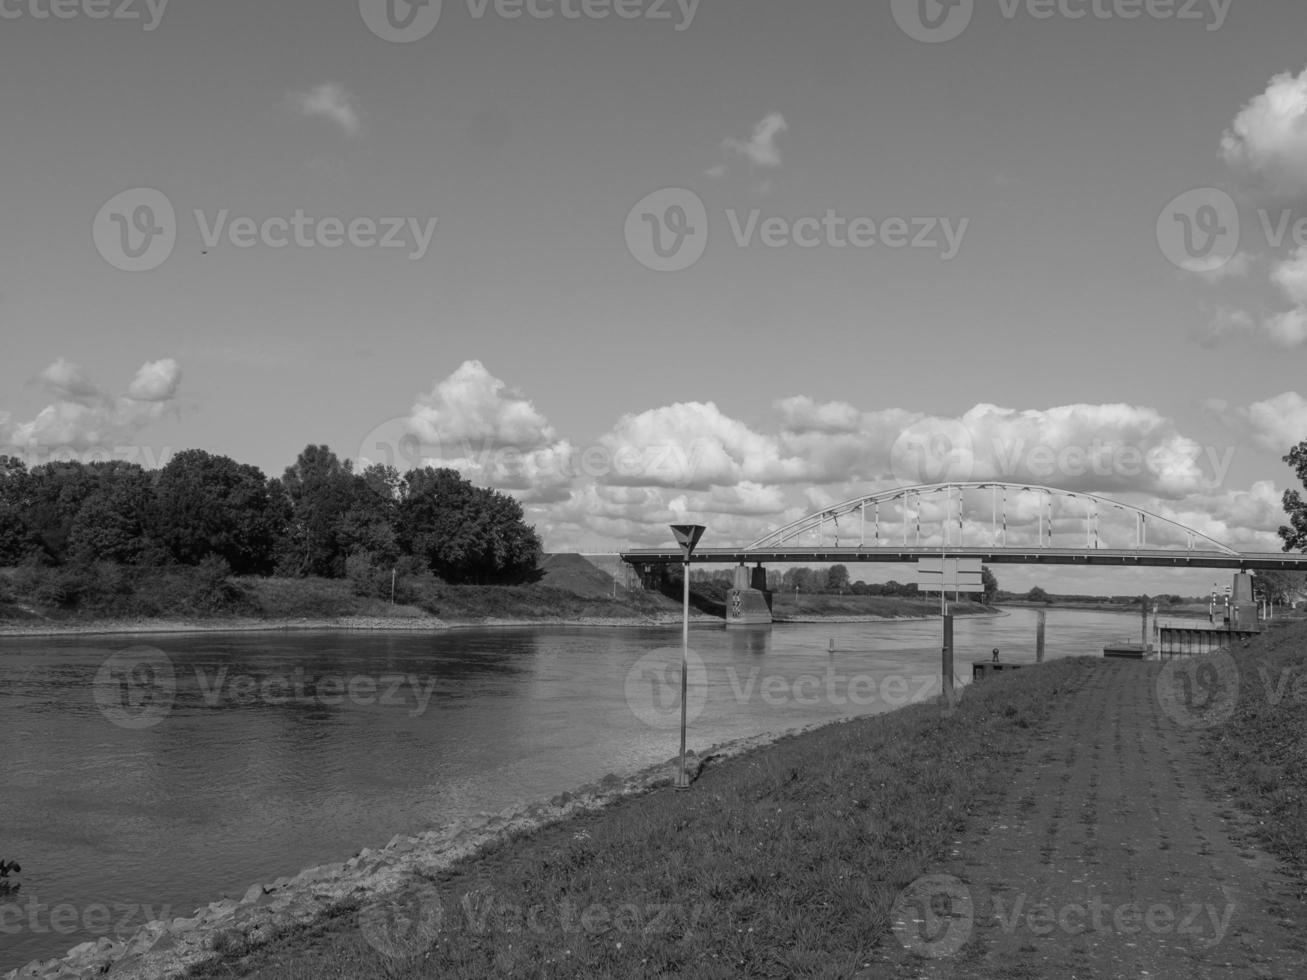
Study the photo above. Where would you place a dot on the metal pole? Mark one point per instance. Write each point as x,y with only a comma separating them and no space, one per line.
946,666
681,782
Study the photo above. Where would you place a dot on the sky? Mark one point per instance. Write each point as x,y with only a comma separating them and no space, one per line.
639,262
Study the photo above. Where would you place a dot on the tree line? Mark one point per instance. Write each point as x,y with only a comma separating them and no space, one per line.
835,581
319,518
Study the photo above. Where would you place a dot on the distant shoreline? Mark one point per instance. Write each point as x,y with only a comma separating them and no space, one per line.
396,624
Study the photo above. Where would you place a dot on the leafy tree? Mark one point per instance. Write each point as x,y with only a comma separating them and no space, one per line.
989,585
15,500
837,578
1294,534
1038,595
118,523
213,506
463,532
322,489
56,493
1281,587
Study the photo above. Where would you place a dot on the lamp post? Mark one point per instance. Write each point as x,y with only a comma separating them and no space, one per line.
687,536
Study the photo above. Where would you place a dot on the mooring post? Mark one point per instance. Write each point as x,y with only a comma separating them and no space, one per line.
947,666
1039,636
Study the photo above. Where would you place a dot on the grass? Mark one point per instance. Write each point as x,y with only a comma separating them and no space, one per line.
783,862
1261,751
108,592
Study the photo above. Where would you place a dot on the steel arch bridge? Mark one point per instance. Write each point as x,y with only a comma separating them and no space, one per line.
952,529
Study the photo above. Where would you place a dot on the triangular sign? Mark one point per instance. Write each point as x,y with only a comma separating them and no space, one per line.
687,535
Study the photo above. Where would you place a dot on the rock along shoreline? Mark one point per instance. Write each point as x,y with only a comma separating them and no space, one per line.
163,949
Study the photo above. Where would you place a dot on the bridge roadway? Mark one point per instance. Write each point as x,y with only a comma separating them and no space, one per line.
1126,557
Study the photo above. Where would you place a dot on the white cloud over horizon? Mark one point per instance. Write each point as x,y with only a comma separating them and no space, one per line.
693,461
330,101
760,148
1267,141
82,416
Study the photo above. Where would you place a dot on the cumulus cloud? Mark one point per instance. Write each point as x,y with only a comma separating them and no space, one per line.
691,461
1268,139
761,148
693,445
82,416
1276,424
332,102
156,381
1246,520
473,422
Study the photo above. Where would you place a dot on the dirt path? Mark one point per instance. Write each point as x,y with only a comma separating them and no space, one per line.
1109,857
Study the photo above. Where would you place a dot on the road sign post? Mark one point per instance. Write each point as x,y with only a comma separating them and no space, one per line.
945,575
687,536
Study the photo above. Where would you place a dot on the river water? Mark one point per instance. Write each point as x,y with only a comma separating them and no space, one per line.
142,777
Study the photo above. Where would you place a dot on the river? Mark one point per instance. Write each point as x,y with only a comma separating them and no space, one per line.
142,777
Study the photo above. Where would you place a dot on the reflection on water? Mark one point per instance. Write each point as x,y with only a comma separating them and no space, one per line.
274,752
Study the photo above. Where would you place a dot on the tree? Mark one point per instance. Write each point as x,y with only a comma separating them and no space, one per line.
989,585
213,506
322,489
1281,587
465,533
1038,595
15,498
1294,534
837,579
118,523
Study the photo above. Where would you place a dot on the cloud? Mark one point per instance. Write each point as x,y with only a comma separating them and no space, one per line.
471,421
1226,322
332,102
761,147
82,416
1276,424
693,446
156,381
691,461
1268,139
1246,520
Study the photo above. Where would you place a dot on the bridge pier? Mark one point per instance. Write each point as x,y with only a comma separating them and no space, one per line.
748,603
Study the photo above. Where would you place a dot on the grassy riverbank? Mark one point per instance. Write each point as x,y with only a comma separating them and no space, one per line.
1260,754
111,599
781,862
114,599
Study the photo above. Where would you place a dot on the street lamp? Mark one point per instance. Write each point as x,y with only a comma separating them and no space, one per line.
687,536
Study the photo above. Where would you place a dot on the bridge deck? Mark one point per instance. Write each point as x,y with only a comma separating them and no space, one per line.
1154,557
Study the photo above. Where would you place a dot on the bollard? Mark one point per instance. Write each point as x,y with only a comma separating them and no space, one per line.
1039,638
832,644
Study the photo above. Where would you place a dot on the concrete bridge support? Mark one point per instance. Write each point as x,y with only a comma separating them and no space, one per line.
748,603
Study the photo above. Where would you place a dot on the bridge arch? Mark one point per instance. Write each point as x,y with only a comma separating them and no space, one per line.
1095,505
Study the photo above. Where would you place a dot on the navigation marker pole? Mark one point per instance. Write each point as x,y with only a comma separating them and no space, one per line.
687,536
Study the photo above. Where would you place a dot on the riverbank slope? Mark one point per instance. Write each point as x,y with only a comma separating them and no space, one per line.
1051,786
